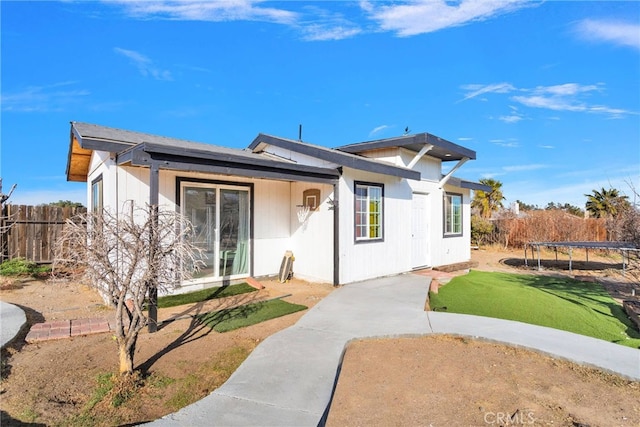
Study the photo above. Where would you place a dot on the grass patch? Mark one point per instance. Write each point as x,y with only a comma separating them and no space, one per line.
566,304
249,314
204,295
20,267
207,377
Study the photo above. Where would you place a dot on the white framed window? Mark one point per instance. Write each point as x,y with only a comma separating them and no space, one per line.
453,215
368,211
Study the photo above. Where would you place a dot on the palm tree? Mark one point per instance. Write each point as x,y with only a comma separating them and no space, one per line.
605,203
488,202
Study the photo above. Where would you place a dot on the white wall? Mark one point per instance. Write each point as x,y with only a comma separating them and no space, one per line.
365,260
275,223
312,241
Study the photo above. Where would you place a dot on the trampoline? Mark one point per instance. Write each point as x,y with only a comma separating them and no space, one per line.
623,247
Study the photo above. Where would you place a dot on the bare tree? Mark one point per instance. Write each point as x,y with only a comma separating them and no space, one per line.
127,257
5,222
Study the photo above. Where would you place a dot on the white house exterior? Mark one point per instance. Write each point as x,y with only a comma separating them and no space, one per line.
376,208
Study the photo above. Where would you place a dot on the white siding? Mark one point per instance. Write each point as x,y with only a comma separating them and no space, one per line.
276,228
365,260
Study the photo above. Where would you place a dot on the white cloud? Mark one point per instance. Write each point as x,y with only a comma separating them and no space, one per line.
549,147
523,168
568,97
475,90
425,16
566,89
513,118
318,32
378,129
313,23
215,11
610,31
48,98
561,97
510,143
144,64
464,138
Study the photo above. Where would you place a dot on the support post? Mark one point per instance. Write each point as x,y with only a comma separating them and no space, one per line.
154,189
570,258
336,234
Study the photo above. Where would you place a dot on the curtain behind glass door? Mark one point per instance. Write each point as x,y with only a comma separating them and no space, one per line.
234,232
200,209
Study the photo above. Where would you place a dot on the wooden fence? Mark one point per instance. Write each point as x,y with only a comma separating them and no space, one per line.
31,232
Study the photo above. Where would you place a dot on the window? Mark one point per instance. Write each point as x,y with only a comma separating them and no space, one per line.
96,194
452,215
368,211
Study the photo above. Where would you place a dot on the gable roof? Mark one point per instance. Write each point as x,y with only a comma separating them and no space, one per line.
340,158
141,149
442,149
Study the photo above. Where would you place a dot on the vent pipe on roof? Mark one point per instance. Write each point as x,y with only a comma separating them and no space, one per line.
300,133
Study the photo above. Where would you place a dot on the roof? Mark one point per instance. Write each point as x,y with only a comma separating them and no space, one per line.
340,158
442,149
142,149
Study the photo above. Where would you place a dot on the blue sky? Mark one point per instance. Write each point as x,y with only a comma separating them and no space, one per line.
546,93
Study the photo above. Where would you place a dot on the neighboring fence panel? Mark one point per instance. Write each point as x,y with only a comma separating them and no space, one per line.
31,232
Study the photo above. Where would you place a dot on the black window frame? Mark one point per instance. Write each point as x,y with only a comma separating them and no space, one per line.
95,182
444,215
357,239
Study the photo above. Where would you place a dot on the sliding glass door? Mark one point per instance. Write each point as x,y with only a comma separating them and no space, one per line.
220,216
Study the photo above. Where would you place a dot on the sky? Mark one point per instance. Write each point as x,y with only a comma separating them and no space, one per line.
546,93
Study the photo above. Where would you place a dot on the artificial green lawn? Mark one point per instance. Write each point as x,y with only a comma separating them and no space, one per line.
204,295
249,314
579,307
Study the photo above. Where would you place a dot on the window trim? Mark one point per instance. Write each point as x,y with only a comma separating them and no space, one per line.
444,215
96,181
380,186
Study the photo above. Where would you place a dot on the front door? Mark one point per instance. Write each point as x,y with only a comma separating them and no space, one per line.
420,230
220,217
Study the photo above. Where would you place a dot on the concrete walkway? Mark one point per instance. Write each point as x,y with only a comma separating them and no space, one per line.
289,378
12,320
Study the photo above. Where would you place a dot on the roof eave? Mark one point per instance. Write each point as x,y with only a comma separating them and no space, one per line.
450,150
333,156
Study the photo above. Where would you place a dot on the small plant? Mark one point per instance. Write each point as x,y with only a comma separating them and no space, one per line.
22,267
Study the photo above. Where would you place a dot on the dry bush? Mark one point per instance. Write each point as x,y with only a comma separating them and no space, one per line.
546,226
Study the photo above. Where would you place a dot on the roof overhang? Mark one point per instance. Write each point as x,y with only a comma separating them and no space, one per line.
470,185
442,149
340,158
206,160
84,139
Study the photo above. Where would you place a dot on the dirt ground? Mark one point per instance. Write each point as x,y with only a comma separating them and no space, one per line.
452,381
383,382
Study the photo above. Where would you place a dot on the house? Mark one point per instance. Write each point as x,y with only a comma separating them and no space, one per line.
351,213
